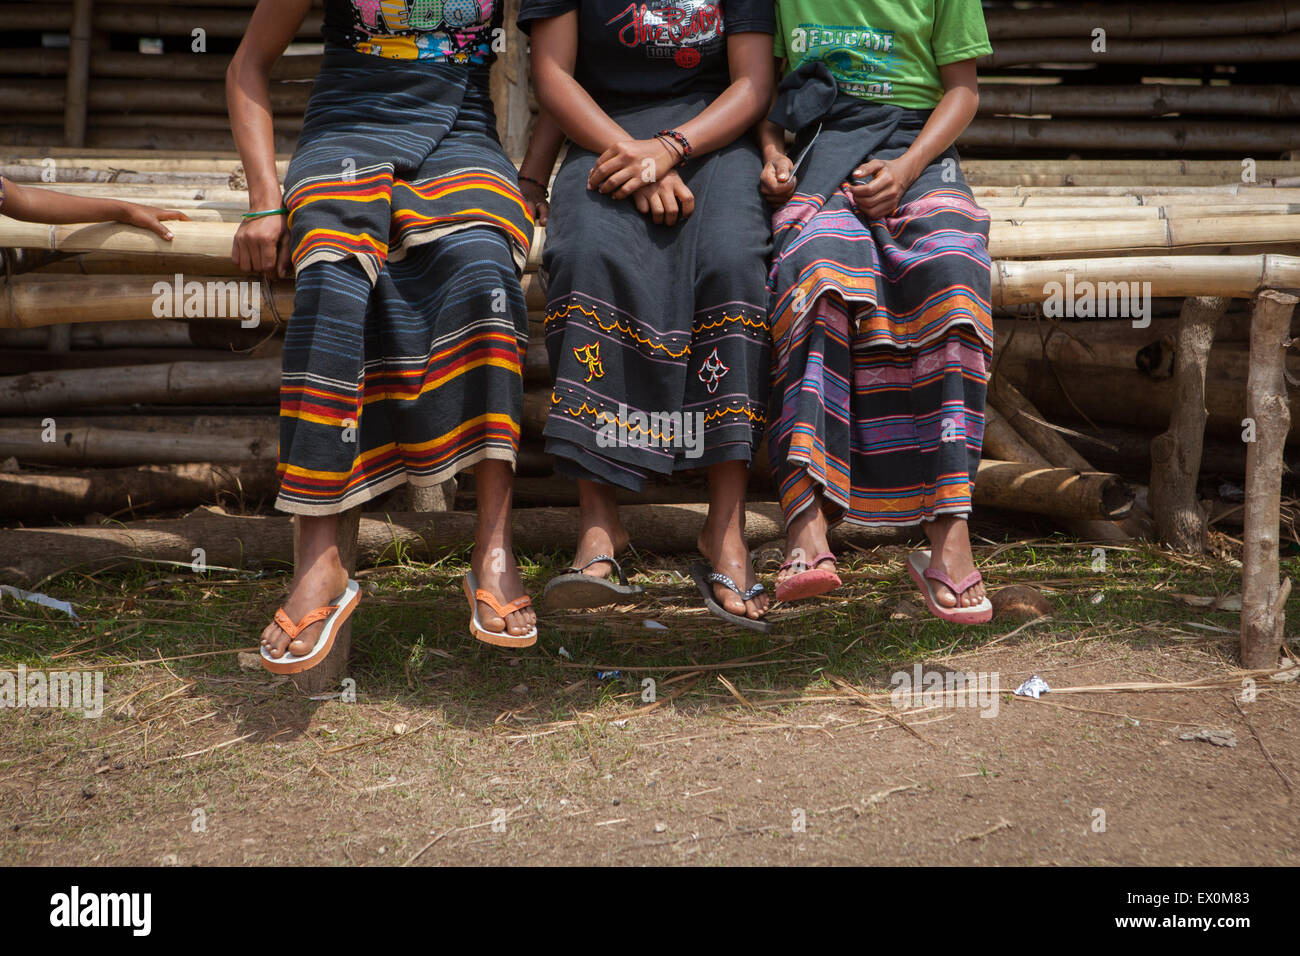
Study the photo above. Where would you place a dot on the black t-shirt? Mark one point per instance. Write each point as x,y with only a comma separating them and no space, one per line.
653,49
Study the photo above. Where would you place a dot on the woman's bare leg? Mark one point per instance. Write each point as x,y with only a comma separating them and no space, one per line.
493,558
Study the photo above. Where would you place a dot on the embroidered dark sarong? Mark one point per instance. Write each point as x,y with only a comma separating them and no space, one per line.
657,335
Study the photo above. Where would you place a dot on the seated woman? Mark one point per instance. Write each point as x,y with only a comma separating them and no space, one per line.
404,224
880,281
656,322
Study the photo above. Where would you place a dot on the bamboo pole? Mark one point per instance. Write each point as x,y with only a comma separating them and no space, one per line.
1003,440
981,172
178,383
145,20
1156,20
108,446
29,301
1262,596
147,488
1120,135
1147,100
1022,283
29,555
1176,453
168,67
76,86
1202,51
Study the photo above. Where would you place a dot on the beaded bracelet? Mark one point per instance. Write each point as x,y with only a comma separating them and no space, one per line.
681,141
265,212
671,145
546,193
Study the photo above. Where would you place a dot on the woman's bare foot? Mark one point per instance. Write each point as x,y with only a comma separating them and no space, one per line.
722,540
950,552
319,578
805,538
493,559
601,530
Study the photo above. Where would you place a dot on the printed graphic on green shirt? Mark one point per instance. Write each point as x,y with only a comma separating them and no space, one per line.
860,59
889,51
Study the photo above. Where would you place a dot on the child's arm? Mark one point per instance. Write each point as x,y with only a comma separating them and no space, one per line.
55,208
539,161
891,177
261,244
777,181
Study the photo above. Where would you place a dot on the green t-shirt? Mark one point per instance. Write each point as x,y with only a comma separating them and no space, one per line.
888,51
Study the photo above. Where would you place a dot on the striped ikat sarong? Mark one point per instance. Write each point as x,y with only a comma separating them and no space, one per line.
882,332
403,360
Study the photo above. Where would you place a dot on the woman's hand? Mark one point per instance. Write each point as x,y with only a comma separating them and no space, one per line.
777,181
889,180
629,165
539,207
665,201
262,245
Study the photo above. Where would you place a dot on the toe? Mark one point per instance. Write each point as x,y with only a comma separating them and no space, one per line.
943,596
489,620
729,599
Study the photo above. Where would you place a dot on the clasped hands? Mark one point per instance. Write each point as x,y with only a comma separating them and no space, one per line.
644,170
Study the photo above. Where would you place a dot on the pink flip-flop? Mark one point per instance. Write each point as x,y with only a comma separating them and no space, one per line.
810,582
918,566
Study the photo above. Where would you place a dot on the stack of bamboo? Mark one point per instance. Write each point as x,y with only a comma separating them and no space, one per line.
1140,75
152,76
142,403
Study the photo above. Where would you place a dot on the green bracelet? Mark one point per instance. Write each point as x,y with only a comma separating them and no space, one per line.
265,212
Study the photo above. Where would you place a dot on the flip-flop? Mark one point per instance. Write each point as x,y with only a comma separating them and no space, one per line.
705,578
573,589
332,614
918,566
810,582
474,594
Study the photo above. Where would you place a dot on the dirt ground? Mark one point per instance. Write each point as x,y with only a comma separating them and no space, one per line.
758,750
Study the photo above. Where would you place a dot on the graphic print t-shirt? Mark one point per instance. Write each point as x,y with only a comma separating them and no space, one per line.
653,49
888,51
452,31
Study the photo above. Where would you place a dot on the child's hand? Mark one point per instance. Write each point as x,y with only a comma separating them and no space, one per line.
262,245
889,179
778,181
535,199
665,201
150,217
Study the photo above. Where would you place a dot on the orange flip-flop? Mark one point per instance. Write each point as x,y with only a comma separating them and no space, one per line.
332,614
474,594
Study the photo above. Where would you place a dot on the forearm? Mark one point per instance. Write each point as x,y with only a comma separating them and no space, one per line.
45,205
248,99
727,118
573,110
771,140
248,94
948,121
543,147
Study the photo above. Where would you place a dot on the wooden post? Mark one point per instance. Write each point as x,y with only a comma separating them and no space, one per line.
1262,596
1176,454
325,677
74,117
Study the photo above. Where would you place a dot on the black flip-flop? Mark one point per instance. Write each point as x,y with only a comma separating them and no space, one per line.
573,589
705,577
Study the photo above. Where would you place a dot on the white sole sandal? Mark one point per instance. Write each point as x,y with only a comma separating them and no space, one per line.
332,614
